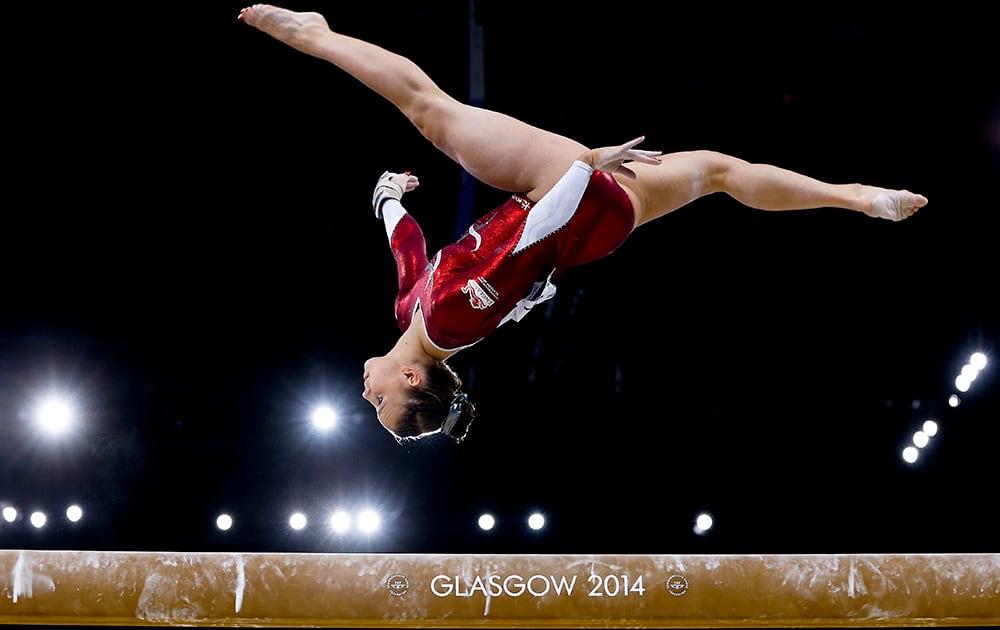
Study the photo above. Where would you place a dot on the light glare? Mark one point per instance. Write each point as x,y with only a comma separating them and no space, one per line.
297,520
74,513
340,521
487,522
368,521
324,417
55,415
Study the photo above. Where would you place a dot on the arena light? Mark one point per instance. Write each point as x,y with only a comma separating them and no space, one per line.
369,521
703,523
324,417
536,521
297,521
340,521
487,522
74,513
55,414
224,522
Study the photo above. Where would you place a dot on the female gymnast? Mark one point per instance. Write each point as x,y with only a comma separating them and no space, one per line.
569,205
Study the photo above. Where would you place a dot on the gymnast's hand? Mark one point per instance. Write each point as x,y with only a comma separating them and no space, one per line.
613,159
406,181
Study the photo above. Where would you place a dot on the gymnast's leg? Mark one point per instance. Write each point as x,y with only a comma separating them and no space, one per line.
685,176
497,149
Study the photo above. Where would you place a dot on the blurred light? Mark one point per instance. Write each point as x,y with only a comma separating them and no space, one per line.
74,513
536,521
54,415
324,417
368,521
9,514
38,519
340,521
930,427
224,522
910,454
297,520
703,523
920,439
487,522
969,371
954,400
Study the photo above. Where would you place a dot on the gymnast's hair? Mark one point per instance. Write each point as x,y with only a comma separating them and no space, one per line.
438,406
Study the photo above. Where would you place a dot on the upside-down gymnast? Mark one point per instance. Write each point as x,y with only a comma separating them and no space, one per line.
569,205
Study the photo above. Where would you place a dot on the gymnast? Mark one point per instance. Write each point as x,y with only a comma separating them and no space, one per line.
569,205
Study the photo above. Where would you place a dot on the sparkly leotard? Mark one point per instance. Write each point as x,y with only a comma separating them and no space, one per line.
507,260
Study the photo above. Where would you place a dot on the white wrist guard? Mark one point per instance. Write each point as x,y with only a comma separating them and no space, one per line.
385,189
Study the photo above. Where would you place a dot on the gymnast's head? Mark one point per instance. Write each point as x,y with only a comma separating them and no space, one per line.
415,401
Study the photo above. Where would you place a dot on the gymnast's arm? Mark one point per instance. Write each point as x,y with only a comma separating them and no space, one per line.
406,239
557,206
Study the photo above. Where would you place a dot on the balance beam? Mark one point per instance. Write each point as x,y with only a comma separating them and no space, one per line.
371,590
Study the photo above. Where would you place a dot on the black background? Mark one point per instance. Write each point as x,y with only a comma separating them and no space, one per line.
188,247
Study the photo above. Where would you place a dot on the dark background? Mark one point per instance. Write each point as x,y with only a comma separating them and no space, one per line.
188,247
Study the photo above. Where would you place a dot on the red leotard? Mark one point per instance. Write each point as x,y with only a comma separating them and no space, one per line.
476,284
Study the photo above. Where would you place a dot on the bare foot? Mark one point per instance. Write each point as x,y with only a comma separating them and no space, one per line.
895,205
286,26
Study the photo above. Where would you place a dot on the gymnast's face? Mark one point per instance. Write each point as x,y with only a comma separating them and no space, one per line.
387,385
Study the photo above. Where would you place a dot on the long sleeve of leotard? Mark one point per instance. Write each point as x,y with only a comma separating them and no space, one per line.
406,240
552,211
557,206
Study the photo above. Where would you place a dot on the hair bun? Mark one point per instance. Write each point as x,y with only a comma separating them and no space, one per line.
459,418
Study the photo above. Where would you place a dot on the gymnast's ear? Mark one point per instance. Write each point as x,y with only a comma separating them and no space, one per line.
412,375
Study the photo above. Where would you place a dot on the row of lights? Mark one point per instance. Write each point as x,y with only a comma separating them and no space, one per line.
963,382
368,521
39,519
340,521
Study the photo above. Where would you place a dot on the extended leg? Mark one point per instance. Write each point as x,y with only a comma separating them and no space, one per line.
684,177
495,148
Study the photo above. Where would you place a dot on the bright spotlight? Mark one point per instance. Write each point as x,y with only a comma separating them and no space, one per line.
297,520
368,521
910,454
9,514
977,360
224,522
54,415
487,522
536,521
324,417
702,523
74,513
920,439
930,427
38,519
969,373
340,521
